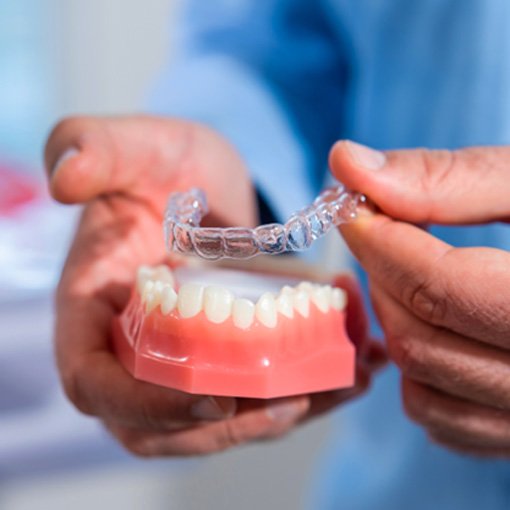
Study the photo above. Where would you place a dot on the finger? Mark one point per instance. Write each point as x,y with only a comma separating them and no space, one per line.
465,290
87,157
97,384
438,186
459,446
453,364
371,353
444,416
255,420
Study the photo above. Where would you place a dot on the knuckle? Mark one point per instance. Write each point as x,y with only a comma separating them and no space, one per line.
424,300
406,352
438,166
230,435
416,404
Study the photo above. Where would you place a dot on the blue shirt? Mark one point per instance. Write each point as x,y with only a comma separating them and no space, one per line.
284,79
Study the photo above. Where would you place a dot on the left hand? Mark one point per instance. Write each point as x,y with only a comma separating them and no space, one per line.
445,311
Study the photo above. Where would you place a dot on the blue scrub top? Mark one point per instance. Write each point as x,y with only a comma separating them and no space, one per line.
284,79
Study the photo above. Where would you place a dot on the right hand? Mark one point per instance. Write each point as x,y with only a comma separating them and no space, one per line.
123,170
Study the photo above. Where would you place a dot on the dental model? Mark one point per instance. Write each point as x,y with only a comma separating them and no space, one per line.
185,210
239,334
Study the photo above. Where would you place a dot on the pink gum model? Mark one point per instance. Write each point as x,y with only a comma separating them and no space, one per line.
202,339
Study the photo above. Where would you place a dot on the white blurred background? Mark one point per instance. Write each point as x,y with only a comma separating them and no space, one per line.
57,58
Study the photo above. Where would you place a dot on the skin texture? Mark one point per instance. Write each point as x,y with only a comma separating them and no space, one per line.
445,311
123,169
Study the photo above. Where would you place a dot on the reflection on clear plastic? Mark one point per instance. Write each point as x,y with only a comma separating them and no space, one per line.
186,209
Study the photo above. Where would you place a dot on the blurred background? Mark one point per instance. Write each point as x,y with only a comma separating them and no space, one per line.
57,58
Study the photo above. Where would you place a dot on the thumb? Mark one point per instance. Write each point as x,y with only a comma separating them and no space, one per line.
437,186
143,157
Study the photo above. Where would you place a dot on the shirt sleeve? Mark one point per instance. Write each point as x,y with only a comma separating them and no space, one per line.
268,75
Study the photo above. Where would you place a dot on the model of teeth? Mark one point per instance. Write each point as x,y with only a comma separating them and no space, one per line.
157,289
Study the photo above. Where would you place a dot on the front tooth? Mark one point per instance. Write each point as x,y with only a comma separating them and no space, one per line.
218,303
168,299
143,275
189,300
265,310
243,313
338,299
284,304
321,298
302,303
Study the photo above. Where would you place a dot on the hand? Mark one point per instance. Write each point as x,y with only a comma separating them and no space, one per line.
445,311
124,169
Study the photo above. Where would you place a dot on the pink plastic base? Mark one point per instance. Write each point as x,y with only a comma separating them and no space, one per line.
196,356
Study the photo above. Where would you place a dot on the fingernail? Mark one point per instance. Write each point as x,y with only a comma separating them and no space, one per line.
67,154
364,156
214,408
285,411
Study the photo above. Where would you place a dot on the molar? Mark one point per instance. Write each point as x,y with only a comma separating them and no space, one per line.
152,295
147,289
142,277
305,286
160,273
218,303
265,310
189,300
338,299
288,290
164,274
243,313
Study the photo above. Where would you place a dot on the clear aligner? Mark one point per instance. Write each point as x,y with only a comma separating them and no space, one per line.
185,210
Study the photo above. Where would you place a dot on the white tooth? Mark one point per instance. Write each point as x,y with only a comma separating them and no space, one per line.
305,286
302,303
153,298
189,300
158,286
143,275
320,297
147,289
163,274
160,273
287,290
265,310
168,299
217,303
284,304
243,313
338,299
